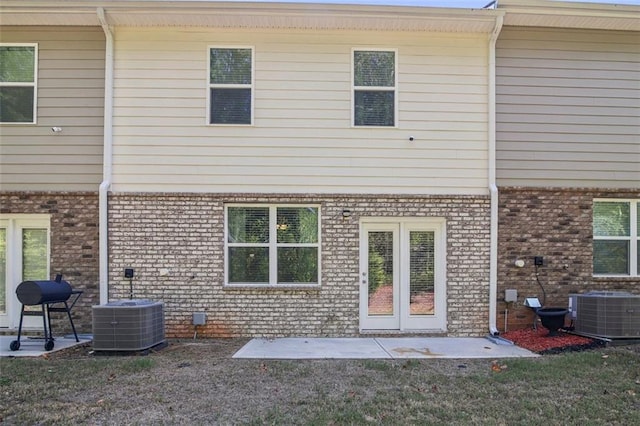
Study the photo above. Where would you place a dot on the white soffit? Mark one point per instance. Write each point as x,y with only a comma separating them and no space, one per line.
228,14
248,15
302,20
11,16
544,13
593,22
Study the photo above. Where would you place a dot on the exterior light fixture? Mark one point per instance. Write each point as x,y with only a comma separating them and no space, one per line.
346,213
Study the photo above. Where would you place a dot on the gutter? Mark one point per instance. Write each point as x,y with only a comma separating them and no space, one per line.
107,160
493,188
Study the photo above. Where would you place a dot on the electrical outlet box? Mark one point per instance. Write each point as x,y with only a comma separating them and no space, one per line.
128,273
199,318
511,295
538,261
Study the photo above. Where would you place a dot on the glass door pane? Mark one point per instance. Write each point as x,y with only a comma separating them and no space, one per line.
34,258
3,270
380,273
421,272
34,254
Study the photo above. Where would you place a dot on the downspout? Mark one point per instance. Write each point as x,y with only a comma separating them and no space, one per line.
493,188
107,154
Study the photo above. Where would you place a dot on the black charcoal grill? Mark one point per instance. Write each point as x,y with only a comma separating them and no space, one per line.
50,296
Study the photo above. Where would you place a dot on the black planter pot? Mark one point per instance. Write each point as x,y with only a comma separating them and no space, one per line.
552,319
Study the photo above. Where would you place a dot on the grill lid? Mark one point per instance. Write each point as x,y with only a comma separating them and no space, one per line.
39,292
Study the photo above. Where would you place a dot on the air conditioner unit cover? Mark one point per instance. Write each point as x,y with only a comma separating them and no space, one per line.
608,314
128,325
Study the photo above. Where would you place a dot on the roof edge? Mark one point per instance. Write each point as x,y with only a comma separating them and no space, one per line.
562,14
248,15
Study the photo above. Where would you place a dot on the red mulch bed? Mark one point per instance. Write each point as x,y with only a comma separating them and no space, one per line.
538,341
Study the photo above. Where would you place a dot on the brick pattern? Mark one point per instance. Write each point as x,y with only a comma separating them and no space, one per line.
556,224
74,244
183,234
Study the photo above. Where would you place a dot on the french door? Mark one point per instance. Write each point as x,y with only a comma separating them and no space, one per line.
24,255
402,275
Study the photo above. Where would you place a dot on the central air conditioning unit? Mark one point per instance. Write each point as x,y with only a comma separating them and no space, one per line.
608,314
128,325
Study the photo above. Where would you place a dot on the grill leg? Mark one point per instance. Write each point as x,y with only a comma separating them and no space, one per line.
45,316
20,325
73,327
48,341
15,345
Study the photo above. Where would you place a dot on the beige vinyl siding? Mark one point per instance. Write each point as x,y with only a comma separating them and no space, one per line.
302,140
70,96
568,108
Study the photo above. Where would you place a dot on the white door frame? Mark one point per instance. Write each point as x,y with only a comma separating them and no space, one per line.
14,224
402,320
379,322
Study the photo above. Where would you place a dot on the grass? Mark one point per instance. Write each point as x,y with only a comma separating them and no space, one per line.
201,384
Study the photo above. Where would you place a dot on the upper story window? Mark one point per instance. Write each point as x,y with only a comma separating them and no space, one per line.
18,76
230,85
374,88
272,245
616,237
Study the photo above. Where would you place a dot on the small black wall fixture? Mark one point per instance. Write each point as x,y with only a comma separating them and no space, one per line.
128,273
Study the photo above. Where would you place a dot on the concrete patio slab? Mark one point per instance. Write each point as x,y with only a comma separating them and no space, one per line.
34,347
450,347
380,347
312,348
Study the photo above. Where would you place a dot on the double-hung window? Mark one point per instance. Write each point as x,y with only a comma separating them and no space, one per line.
374,88
18,76
616,237
272,245
230,85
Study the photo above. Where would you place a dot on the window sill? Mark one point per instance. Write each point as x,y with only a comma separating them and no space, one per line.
616,277
271,287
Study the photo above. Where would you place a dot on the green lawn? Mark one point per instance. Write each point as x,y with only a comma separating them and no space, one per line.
201,384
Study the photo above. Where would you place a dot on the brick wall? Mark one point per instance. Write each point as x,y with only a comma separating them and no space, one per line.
555,224
74,244
183,234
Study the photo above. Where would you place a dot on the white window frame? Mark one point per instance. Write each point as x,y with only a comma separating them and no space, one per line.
355,88
273,246
633,238
250,86
34,84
